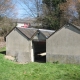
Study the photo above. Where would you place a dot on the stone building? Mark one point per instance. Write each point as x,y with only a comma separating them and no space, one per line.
64,45
25,44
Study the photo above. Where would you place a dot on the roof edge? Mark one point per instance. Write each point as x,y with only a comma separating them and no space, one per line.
8,33
62,27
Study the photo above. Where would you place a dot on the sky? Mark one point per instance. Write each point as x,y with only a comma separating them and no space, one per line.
28,9
22,13
25,10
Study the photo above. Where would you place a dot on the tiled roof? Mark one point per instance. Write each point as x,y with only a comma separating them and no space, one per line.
29,32
77,27
74,25
46,33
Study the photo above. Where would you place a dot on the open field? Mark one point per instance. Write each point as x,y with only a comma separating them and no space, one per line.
37,71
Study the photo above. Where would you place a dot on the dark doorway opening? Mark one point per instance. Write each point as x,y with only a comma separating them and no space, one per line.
39,49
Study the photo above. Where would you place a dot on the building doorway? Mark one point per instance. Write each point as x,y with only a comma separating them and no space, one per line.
39,50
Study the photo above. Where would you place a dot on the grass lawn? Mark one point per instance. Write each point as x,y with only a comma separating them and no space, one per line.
37,71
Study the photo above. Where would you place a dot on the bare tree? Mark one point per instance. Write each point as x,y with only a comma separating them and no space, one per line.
7,8
32,7
7,11
71,12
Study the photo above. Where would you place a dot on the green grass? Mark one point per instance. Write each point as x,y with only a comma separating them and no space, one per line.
37,71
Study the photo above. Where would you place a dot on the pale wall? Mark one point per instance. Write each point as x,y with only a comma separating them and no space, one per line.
64,46
19,46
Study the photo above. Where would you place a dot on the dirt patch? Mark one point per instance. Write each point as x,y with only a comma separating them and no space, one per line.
9,57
